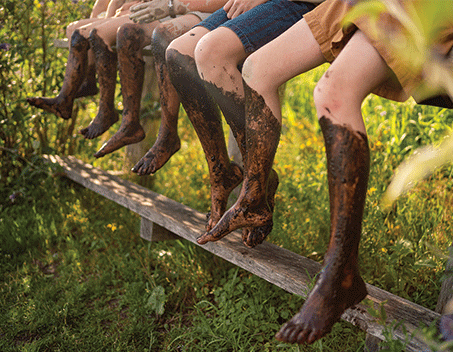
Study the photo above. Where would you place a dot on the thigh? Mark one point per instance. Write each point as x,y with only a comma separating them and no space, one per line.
294,52
181,24
107,30
78,24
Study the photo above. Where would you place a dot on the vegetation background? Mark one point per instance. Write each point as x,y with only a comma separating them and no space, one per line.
75,275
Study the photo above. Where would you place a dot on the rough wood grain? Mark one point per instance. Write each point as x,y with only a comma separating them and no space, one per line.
153,232
276,265
446,291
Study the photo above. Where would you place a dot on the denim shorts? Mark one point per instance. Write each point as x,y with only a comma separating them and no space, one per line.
261,24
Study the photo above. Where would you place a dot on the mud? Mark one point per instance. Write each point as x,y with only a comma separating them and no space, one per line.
76,69
131,40
339,285
106,67
254,207
205,117
168,141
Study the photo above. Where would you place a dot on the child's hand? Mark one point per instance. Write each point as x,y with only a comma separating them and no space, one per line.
234,8
154,10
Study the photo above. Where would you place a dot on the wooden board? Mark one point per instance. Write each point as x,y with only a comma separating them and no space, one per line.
279,266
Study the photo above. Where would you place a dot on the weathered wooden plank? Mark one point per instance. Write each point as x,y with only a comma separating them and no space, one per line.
371,343
153,232
446,291
279,266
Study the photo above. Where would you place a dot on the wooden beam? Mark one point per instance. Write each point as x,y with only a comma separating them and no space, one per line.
279,266
153,232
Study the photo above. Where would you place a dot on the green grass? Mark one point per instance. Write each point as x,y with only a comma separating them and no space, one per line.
75,274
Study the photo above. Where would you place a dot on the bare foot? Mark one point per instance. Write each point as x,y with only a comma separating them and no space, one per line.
158,155
127,134
57,106
330,297
220,192
101,123
246,212
253,236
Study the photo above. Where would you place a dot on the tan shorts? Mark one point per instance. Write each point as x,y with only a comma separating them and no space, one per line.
200,15
325,24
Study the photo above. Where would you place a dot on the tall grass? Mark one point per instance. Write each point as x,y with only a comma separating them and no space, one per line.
74,274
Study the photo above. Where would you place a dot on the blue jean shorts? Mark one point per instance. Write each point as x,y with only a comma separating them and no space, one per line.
261,24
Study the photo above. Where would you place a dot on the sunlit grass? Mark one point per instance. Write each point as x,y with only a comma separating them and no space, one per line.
76,276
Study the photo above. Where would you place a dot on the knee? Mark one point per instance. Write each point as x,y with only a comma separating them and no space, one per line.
207,52
129,37
78,41
176,49
327,96
248,73
258,78
160,41
70,29
105,34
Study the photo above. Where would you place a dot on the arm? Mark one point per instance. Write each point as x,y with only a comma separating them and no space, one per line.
157,9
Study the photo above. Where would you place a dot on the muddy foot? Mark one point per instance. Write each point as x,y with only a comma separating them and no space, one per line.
100,124
235,218
56,106
252,237
322,309
220,193
127,134
244,213
157,156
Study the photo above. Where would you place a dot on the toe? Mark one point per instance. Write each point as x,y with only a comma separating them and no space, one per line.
302,336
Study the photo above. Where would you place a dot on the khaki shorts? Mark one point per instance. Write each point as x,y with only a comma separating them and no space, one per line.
325,24
200,15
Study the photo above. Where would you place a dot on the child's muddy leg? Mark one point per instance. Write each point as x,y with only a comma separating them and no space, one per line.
131,39
76,68
206,119
253,209
338,98
218,67
168,141
106,68
339,285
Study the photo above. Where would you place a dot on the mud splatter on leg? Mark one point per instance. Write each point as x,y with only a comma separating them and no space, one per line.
205,117
233,109
168,141
253,209
131,40
89,85
339,285
106,66
75,73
